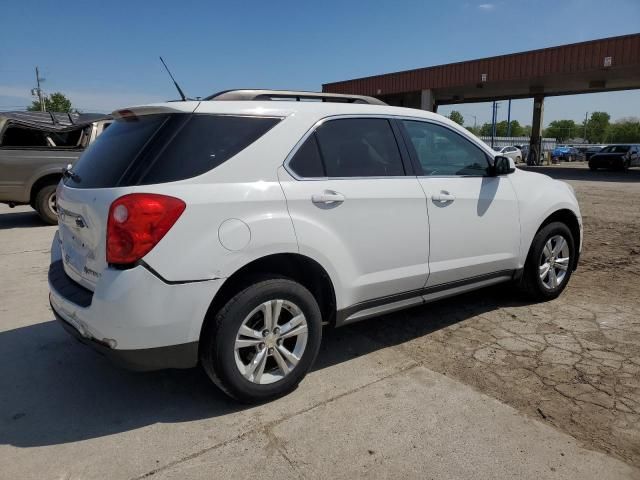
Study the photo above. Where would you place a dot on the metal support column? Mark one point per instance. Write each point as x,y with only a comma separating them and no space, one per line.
535,143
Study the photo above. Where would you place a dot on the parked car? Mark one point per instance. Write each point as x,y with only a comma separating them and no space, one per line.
618,157
511,152
228,231
567,153
592,150
524,150
34,149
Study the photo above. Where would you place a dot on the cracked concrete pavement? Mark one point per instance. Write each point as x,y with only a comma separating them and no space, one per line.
482,386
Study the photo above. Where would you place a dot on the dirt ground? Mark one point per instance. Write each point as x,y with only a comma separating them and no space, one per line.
573,362
375,401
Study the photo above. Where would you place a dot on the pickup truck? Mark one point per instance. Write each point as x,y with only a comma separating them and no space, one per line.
35,147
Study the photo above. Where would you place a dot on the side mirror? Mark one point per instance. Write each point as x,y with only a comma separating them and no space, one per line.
503,165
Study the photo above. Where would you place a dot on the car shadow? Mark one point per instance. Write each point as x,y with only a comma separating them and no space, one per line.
25,219
584,174
55,390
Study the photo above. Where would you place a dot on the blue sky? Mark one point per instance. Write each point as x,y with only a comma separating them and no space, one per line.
104,55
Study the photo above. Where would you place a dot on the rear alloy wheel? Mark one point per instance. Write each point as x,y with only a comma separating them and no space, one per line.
549,263
263,341
271,341
45,204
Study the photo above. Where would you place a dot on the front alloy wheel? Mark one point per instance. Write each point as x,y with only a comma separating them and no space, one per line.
554,262
549,263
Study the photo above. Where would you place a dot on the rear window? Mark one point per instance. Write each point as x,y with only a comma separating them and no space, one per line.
164,148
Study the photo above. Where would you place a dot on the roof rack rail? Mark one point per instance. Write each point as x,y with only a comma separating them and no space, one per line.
293,95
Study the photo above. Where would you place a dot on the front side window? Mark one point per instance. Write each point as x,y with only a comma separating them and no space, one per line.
359,147
441,151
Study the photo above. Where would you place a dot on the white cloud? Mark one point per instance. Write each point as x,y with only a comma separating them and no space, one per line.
486,6
88,101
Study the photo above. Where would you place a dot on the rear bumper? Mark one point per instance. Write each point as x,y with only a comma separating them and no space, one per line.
132,316
143,359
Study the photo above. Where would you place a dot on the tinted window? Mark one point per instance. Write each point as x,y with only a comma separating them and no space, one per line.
359,147
164,148
114,151
441,151
616,149
203,143
307,162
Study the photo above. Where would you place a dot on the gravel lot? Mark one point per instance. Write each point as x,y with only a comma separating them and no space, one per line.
573,362
481,385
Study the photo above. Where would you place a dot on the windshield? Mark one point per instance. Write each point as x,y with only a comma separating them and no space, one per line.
616,149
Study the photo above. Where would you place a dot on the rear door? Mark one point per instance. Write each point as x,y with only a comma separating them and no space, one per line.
357,207
473,217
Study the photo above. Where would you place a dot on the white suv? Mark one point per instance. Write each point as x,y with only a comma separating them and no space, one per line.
228,231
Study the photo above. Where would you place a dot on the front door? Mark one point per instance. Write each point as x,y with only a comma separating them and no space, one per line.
473,217
354,207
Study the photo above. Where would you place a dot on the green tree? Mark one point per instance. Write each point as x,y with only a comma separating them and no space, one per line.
56,102
597,126
457,117
561,130
485,130
501,129
474,130
526,131
626,130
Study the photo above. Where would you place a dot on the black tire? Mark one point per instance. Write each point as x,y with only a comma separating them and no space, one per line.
625,165
43,201
217,352
518,159
531,284
593,168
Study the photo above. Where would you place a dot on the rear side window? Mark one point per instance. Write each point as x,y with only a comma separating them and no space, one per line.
307,162
359,147
165,148
203,143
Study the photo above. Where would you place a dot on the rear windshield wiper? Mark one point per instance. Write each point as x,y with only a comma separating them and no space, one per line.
67,172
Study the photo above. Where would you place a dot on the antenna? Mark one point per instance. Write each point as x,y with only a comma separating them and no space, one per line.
182,95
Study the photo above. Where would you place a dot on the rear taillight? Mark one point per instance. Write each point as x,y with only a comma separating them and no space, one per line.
137,222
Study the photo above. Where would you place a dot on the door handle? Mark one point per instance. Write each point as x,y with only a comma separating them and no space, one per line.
328,197
443,196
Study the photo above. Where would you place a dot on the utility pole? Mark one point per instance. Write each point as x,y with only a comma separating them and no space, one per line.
509,120
39,90
584,137
475,122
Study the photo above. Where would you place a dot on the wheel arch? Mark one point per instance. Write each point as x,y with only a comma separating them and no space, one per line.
47,179
570,219
295,266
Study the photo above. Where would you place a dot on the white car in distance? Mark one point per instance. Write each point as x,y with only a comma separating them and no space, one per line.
511,152
226,232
